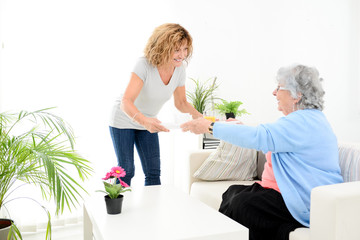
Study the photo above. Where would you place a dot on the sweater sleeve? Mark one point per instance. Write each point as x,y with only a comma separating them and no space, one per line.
284,135
245,136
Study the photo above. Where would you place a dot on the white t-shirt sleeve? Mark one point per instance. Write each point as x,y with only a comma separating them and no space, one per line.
141,68
182,76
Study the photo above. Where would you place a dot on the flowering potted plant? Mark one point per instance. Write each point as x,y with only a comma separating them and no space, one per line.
114,186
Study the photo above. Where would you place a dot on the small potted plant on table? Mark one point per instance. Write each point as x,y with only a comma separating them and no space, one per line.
231,109
114,186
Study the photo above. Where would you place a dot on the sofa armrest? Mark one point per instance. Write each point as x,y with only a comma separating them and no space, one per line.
196,158
335,212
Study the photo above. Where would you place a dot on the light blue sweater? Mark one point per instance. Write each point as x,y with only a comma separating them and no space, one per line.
304,154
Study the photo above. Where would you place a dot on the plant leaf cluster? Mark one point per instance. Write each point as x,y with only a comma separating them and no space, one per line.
114,190
203,93
230,107
38,148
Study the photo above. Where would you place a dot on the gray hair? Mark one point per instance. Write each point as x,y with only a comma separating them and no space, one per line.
303,81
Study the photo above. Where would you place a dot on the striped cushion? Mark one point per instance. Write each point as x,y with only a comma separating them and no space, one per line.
229,162
349,157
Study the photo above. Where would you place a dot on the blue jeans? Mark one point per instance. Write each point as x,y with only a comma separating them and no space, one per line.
147,145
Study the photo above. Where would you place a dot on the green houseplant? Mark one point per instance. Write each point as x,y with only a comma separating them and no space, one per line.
231,109
203,93
37,148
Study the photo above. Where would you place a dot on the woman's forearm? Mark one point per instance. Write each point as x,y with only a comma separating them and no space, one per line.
186,107
132,112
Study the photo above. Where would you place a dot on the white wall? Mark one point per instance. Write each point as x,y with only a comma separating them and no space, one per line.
78,55
245,43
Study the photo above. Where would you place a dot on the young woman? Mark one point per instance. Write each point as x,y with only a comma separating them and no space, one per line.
155,78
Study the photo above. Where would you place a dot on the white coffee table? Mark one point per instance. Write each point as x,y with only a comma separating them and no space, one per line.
158,213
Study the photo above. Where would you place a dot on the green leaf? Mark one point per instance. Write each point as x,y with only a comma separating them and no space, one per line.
14,232
113,190
203,93
230,107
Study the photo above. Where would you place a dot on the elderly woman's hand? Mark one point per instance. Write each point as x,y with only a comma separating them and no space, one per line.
197,126
233,120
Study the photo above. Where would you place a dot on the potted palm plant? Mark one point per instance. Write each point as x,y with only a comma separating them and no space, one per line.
37,148
231,109
203,93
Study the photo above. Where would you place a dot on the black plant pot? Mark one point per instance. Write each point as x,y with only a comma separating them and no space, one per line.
114,206
229,115
5,225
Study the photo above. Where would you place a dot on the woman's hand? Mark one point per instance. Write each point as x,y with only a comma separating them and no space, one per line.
197,126
153,125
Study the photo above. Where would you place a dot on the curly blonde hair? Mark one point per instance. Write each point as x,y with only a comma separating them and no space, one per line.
164,41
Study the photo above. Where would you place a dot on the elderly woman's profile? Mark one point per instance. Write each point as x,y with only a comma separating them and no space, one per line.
301,151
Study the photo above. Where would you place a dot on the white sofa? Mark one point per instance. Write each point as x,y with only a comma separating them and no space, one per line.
335,209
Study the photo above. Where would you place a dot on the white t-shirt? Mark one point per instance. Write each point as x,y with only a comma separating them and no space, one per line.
152,96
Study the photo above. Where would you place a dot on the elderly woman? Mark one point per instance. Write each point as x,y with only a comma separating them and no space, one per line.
301,151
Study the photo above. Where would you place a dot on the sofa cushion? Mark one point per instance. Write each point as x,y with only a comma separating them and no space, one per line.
229,162
349,158
300,234
210,192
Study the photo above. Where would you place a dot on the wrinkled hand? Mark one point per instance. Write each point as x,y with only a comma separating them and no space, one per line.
197,126
153,125
235,121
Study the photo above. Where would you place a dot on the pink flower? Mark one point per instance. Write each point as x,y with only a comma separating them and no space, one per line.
124,184
118,172
108,175
112,188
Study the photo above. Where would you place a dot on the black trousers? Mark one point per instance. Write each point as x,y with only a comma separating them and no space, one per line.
261,210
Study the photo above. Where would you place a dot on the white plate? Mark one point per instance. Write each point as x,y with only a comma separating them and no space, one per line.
171,125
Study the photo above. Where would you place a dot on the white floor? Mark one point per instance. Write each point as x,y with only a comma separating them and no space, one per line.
67,232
